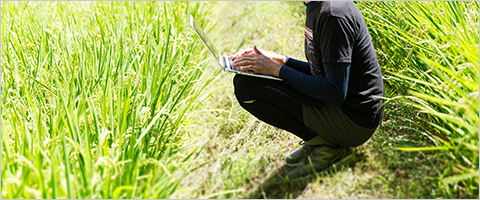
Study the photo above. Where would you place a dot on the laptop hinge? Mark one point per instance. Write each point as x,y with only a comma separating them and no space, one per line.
223,63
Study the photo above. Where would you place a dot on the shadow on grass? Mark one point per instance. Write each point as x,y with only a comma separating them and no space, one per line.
278,187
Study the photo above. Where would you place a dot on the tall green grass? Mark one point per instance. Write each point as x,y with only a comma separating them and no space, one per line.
429,52
96,97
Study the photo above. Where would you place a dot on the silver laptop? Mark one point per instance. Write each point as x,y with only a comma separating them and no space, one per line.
224,61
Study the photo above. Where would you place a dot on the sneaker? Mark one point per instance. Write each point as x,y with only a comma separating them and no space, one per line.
321,159
299,155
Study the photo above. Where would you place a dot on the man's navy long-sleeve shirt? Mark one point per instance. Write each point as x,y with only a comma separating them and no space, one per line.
331,89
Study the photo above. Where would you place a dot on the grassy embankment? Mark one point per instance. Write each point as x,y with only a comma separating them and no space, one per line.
96,98
243,154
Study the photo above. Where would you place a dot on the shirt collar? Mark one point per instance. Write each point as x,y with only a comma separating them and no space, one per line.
310,4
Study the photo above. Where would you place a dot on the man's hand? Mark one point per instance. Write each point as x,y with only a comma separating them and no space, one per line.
280,59
257,62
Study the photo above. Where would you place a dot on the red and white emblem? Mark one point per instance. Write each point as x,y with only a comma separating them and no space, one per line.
308,33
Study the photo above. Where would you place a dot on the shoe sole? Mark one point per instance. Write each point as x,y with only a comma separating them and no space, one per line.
293,164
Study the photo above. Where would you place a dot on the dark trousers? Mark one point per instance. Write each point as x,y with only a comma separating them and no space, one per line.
281,106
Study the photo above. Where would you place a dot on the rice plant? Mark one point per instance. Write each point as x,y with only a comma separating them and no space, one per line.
96,97
430,55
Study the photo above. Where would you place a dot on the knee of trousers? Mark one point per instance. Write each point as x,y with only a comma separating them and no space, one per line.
243,87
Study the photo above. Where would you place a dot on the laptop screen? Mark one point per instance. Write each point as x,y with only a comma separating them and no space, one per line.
204,38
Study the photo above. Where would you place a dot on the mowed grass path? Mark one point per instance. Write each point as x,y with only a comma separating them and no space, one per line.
243,155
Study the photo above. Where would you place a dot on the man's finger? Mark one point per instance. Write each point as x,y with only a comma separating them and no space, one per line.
248,59
255,49
241,53
242,63
247,67
250,56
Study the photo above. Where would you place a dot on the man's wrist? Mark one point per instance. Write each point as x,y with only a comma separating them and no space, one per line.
279,59
276,71
286,60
